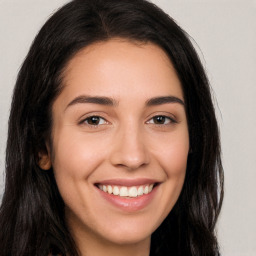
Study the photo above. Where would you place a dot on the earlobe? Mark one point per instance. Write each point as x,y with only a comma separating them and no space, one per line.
44,161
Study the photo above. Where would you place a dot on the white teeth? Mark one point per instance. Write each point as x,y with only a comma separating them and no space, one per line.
133,192
140,191
126,191
123,191
116,191
109,189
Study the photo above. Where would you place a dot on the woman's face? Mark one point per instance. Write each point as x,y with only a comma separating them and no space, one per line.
119,129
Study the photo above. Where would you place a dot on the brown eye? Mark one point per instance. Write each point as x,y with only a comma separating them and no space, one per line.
161,120
95,120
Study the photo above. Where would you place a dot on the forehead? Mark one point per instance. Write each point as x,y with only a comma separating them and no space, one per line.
121,69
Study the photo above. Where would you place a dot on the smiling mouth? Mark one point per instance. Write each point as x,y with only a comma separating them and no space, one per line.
127,192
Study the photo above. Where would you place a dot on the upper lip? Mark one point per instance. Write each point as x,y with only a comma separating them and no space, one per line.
127,182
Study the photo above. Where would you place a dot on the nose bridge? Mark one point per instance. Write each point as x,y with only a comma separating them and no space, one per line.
129,148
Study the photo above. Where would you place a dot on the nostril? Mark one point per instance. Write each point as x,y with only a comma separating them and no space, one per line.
130,162
129,152
131,167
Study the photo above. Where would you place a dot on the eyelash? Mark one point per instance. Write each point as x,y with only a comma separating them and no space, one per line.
170,120
166,118
85,121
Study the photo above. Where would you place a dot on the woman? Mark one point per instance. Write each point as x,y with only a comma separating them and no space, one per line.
113,145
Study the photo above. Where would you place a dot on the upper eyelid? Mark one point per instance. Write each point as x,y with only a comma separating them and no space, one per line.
163,113
173,120
86,116
83,120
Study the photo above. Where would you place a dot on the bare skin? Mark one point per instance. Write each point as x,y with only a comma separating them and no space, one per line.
120,121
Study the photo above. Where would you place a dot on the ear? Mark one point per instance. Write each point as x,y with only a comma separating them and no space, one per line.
44,159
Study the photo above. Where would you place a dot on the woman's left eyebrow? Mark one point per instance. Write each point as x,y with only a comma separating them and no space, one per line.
164,100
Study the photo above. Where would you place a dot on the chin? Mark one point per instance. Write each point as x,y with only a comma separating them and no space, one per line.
128,232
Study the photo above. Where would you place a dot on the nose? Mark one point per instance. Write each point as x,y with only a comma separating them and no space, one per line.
129,150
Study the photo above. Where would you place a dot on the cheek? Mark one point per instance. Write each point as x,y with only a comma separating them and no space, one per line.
172,153
75,157
175,160
174,163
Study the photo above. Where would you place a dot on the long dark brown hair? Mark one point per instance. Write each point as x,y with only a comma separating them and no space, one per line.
32,212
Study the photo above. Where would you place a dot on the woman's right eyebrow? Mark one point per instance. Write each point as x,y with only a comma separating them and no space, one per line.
101,100
164,100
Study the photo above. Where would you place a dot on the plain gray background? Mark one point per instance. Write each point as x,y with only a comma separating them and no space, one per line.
225,31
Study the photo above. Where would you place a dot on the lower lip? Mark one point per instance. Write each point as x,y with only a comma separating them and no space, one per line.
130,204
